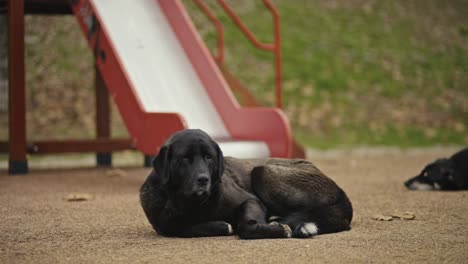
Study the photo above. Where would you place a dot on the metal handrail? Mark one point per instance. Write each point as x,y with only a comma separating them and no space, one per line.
219,28
275,48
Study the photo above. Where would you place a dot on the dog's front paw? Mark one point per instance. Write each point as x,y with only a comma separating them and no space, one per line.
287,230
225,228
213,228
306,230
230,230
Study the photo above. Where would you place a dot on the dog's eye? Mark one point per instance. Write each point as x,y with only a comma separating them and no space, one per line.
208,157
187,159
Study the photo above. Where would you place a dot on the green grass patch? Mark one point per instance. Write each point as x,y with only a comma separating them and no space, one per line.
404,137
355,72
348,54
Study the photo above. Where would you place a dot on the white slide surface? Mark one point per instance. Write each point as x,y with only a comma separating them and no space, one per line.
160,72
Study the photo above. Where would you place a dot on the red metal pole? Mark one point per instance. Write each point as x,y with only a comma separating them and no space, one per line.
18,163
278,66
219,29
244,28
103,120
275,47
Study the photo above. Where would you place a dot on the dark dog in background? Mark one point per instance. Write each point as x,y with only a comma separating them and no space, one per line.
194,191
443,174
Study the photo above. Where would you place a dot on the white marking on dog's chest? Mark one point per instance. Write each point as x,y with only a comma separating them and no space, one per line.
421,186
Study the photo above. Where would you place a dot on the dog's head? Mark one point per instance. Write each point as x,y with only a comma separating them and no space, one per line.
438,175
190,165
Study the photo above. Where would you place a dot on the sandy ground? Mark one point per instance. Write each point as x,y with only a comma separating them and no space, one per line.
37,225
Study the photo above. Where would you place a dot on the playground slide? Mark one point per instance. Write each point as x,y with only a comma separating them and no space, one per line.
163,79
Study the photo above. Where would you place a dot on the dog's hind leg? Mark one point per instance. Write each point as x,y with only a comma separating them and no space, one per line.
305,199
323,220
301,226
252,225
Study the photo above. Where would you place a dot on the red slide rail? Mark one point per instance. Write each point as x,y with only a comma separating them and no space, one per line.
148,130
219,57
275,47
269,125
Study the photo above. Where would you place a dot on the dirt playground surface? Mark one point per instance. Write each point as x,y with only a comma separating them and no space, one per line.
38,226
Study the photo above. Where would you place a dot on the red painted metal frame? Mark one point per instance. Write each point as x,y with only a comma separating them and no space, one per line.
101,145
148,130
16,88
275,47
219,57
236,86
262,124
43,7
103,117
17,145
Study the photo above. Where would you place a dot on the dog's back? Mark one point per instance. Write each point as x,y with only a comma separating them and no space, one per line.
460,160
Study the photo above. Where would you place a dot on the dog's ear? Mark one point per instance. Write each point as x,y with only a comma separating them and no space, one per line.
220,166
162,164
442,169
448,172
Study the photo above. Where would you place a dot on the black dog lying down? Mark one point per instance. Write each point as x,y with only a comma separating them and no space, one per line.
194,191
443,174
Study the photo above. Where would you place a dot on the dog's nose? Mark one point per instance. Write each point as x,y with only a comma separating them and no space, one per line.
202,180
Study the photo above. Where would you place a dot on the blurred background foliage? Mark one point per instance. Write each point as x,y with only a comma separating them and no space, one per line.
356,72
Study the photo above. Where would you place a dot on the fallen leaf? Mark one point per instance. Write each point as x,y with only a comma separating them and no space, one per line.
379,217
404,216
78,197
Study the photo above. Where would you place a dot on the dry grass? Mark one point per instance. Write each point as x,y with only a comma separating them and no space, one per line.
355,72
